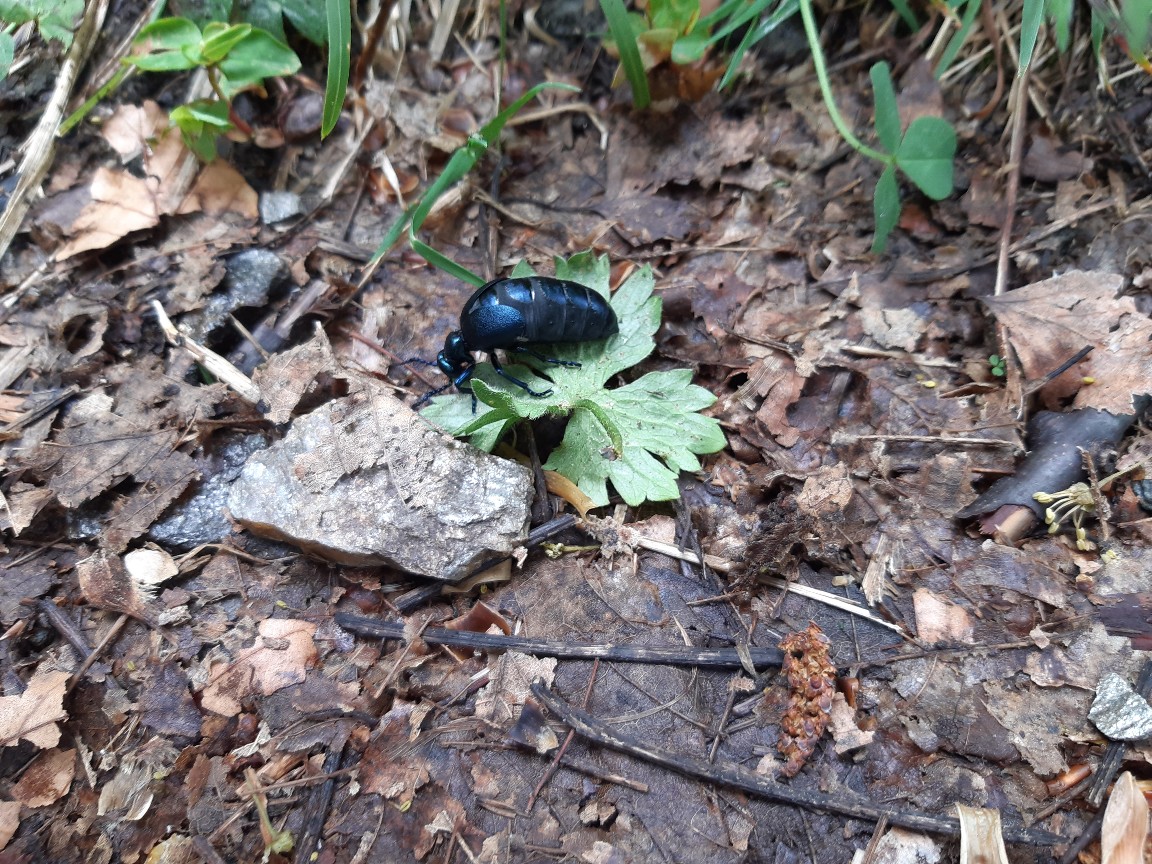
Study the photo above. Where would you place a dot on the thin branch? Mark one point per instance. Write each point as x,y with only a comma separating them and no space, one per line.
738,777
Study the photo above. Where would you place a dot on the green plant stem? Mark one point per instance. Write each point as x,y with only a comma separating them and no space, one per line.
826,88
214,82
84,110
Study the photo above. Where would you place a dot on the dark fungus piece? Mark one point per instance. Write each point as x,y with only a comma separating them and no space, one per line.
1054,460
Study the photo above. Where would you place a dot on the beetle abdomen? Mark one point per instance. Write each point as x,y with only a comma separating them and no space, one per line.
508,312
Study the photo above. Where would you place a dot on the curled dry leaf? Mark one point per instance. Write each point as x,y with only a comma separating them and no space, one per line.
812,681
1125,827
1050,321
107,584
980,839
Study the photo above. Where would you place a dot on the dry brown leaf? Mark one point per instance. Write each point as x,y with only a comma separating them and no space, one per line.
47,779
1049,321
980,838
220,188
1125,825
938,620
846,733
131,127
392,765
280,657
98,447
509,685
21,505
120,205
106,584
9,821
826,491
34,713
161,482
779,383
128,790
288,375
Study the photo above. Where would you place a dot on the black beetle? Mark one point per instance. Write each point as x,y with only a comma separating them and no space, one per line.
511,314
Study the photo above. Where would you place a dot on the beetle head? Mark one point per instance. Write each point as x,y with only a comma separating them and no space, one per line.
455,360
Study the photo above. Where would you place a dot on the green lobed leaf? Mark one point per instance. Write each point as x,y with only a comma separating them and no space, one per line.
15,13
309,18
169,34
172,45
678,15
204,12
200,123
212,114
885,208
662,435
689,49
926,155
887,112
639,436
57,19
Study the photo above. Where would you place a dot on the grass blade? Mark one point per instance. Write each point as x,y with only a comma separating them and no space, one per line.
625,39
339,61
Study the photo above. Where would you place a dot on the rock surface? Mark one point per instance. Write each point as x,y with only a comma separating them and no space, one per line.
365,481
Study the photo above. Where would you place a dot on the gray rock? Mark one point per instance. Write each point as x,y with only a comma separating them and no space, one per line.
365,481
200,517
249,278
1119,711
278,206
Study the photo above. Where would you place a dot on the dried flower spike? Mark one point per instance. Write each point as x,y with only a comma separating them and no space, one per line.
812,680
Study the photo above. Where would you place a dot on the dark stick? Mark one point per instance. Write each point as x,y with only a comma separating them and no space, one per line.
319,803
667,655
741,778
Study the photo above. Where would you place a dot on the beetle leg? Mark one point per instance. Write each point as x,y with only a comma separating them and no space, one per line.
500,371
520,349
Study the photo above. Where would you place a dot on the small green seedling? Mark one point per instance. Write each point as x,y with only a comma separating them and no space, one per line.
676,33
237,57
55,19
639,436
924,152
996,365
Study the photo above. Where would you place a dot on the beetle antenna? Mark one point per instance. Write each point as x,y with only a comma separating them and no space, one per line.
419,403
419,360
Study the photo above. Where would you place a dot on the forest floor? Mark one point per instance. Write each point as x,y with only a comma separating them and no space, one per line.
169,676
